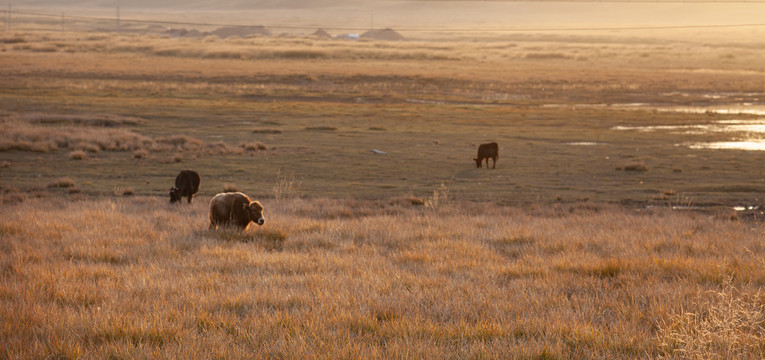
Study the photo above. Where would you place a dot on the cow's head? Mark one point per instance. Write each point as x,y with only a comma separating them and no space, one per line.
175,194
478,162
255,212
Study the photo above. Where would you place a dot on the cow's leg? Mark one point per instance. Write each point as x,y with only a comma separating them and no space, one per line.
495,163
193,195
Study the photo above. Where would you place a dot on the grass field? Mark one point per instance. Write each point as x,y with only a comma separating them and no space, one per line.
604,232
257,110
139,278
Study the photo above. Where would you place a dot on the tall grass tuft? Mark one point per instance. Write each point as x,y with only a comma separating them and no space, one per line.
440,198
229,187
286,186
727,324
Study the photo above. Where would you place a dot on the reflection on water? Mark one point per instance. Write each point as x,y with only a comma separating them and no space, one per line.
745,134
731,145
584,143
728,126
745,208
724,110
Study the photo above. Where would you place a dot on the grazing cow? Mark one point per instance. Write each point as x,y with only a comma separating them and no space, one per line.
487,151
186,185
235,209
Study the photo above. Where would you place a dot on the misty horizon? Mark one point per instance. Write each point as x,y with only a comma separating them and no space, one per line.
484,15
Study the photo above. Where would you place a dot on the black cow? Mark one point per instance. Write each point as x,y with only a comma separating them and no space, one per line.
186,185
487,151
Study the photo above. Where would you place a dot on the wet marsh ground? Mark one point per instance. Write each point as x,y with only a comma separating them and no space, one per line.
201,103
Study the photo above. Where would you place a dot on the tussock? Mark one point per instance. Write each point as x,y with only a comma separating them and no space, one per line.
124,191
286,186
32,136
180,142
140,154
726,324
77,155
16,135
63,182
637,166
220,147
256,146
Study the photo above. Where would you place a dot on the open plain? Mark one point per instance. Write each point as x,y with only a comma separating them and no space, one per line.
623,219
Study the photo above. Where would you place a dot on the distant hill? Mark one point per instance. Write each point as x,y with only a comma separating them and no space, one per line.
382,34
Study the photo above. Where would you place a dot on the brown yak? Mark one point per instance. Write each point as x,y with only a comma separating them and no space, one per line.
186,184
235,209
487,151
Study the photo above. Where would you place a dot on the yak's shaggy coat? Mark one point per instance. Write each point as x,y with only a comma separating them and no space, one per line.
235,209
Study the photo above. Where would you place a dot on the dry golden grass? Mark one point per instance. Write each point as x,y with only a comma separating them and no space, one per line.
727,324
16,135
63,182
425,275
138,278
40,133
77,155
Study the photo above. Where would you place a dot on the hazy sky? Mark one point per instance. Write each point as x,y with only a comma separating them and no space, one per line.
405,13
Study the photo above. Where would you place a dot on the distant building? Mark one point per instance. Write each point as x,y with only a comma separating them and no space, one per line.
352,37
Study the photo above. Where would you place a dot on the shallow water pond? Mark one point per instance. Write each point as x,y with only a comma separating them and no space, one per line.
742,134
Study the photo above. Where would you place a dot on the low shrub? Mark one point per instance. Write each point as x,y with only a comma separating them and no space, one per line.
77,155
64,182
140,154
638,166
257,146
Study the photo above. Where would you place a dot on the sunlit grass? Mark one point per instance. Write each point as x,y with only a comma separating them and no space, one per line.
410,254
140,277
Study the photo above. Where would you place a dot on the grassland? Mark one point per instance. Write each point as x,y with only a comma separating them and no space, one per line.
139,278
201,103
569,249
